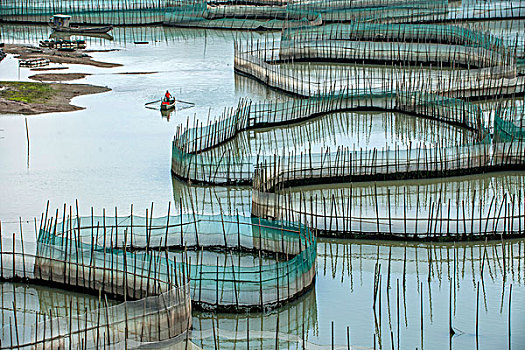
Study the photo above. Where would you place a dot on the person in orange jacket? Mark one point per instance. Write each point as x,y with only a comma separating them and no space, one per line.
167,95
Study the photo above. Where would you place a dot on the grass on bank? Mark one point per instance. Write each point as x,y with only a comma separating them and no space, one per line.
26,91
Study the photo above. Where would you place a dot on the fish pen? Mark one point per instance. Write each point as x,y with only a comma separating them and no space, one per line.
241,15
262,61
257,14
434,210
156,307
275,15
259,263
441,45
195,152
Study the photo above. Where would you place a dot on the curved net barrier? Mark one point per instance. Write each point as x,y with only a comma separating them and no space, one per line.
438,210
245,15
281,267
161,308
197,157
262,61
425,44
116,12
374,11
257,14
509,124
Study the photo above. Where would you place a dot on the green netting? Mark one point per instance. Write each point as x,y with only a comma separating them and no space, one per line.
162,309
100,241
509,124
377,11
428,33
253,14
116,12
207,14
279,14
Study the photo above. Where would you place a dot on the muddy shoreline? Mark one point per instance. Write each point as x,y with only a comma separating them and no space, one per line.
54,56
14,98
58,76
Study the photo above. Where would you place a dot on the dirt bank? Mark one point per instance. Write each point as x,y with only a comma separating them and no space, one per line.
58,76
75,57
36,98
48,68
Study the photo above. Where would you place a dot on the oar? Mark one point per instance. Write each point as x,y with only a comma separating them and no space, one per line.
149,103
190,103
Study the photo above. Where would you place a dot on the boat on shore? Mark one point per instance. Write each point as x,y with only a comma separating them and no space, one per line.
61,23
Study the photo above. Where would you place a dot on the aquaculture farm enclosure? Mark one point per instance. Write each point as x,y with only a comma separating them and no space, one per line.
338,174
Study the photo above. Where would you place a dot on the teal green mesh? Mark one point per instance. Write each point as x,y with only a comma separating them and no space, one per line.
509,124
107,241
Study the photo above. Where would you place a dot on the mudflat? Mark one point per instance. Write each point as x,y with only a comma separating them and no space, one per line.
36,98
55,56
58,76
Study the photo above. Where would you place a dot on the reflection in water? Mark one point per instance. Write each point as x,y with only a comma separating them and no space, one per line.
349,273
34,302
356,130
125,35
445,277
291,321
205,199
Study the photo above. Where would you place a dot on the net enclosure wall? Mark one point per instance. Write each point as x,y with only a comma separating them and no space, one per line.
116,12
284,254
161,309
198,155
509,123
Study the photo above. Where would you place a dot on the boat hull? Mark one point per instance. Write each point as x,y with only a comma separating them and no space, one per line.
167,106
80,30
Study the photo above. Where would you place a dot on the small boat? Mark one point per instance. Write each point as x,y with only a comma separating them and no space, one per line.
60,23
167,104
71,36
